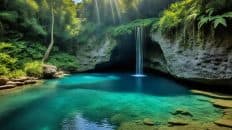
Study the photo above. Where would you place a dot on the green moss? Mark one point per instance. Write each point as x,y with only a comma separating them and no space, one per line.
130,27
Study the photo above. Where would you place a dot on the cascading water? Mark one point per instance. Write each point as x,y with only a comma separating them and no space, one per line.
139,52
97,12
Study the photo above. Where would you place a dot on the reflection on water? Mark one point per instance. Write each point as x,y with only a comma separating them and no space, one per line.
100,101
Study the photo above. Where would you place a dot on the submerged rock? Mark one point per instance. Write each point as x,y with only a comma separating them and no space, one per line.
224,122
135,126
182,112
148,121
118,118
177,122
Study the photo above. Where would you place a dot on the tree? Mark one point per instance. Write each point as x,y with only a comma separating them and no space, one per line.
52,34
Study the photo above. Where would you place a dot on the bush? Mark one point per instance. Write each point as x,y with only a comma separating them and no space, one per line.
34,69
64,61
130,27
3,70
16,74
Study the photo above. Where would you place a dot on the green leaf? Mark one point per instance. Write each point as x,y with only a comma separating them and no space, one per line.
227,15
219,21
203,20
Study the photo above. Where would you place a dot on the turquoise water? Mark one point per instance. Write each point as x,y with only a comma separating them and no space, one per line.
100,102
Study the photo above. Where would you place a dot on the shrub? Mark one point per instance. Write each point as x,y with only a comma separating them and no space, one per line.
16,74
3,70
130,27
34,69
64,61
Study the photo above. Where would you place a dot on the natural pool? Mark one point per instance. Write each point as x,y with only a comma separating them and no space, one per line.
100,102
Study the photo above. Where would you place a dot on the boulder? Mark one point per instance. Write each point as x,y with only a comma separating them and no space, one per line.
3,81
49,71
59,74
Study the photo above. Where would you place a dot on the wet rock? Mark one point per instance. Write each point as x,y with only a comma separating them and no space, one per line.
3,81
59,74
227,114
148,121
222,103
22,79
30,82
7,87
177,122
224,122
49,71
210,94
15,83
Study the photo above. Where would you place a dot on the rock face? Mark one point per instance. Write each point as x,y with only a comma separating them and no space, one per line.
209,62
49,71
94,52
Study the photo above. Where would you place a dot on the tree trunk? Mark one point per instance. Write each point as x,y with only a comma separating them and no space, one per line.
52,37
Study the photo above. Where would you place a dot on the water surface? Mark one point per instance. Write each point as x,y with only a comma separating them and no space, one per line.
100,102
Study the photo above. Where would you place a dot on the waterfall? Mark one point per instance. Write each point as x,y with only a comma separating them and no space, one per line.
139,51
97,12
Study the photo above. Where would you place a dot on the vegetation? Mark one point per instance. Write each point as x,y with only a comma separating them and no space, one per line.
64,61
200,12
27,29
130,27
34,69
33,32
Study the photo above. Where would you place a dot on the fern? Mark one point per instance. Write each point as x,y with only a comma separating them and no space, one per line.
215,20
219,21
203,21
10,16
227,15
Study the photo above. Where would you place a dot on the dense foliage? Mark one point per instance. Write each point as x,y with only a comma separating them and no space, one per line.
200,12
25,29
28,27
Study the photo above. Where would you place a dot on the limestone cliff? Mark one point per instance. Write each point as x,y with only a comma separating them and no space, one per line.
209,61
94,52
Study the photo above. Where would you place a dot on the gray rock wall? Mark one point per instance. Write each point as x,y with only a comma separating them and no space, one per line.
94,52
210,62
